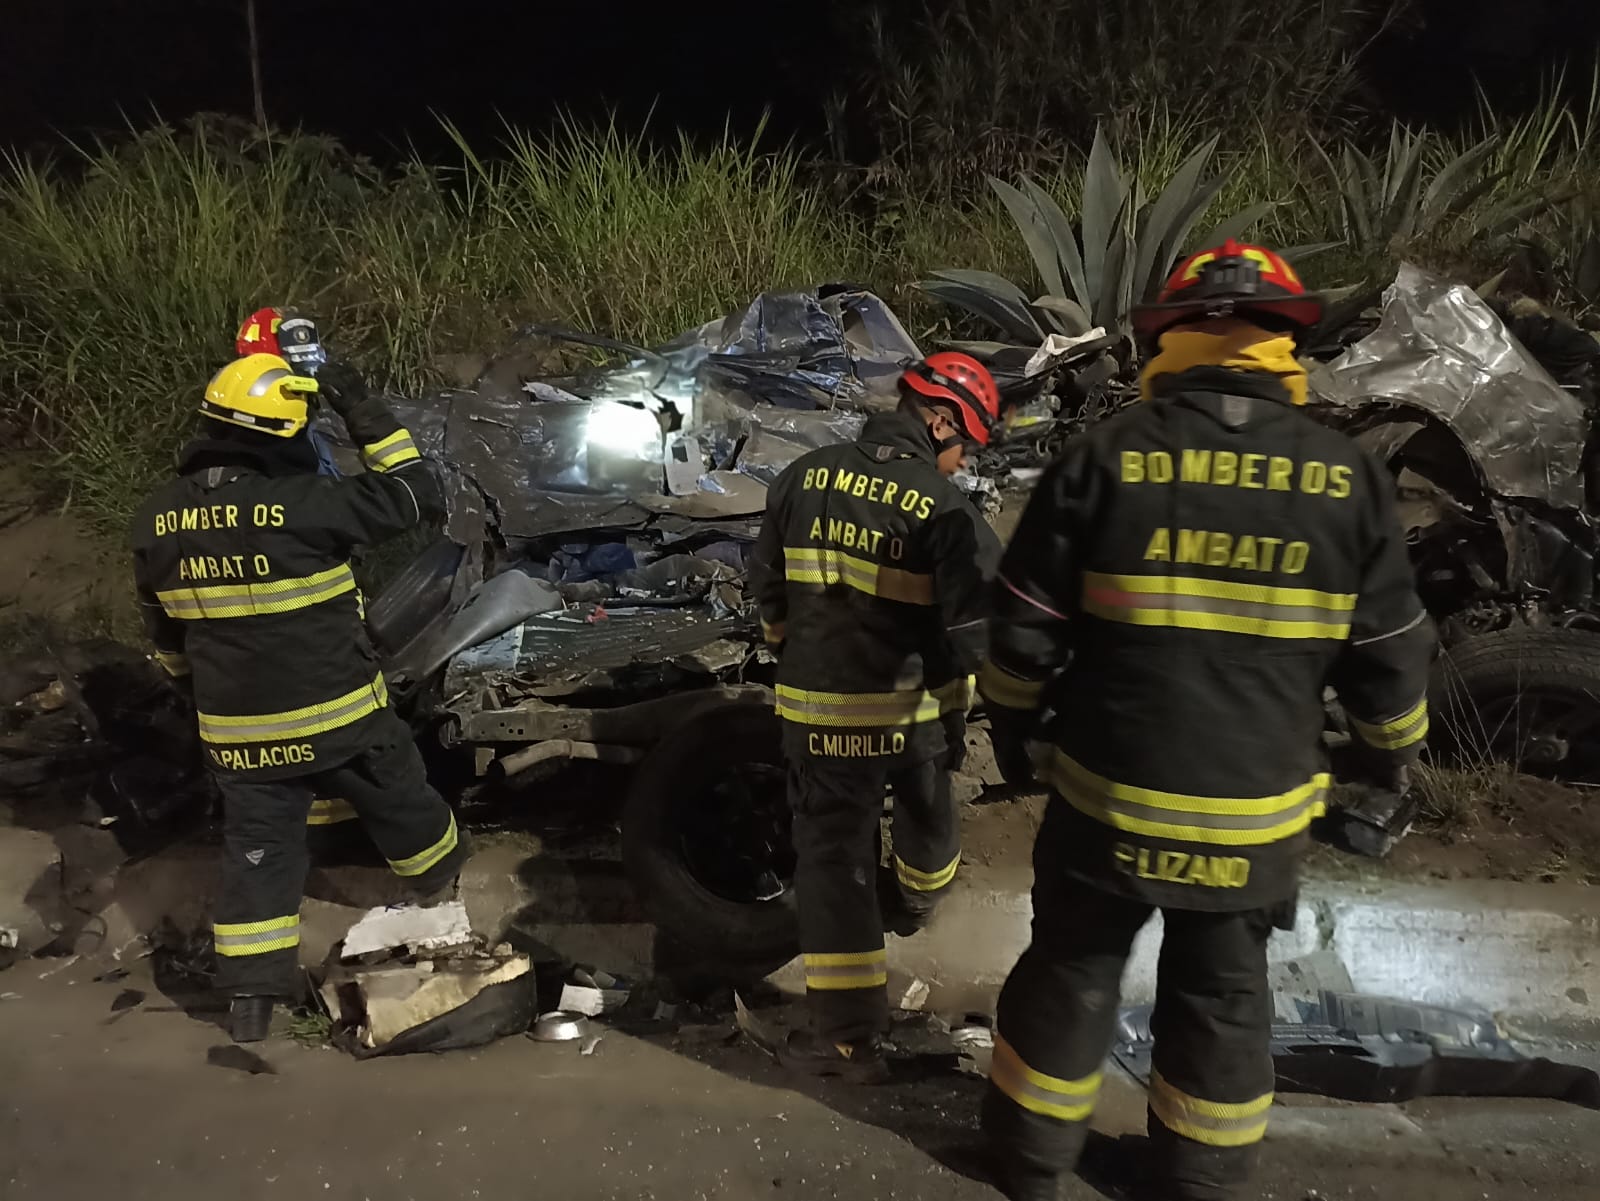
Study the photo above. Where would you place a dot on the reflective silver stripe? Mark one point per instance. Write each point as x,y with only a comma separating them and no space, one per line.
1051,1096
218,601
297,723
1226,821
1215,1123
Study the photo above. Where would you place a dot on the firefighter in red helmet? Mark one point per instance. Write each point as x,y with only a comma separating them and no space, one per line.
870,572
1187,580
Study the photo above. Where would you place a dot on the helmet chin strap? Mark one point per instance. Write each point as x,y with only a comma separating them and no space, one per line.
940,445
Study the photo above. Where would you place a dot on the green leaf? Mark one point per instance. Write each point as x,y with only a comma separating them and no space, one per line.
1358,189
1104,194
1035,233
1304,251
1068,314
1016,324
1452,178
986,281
1236,225
1063,238
1158,224
1405,202
1177,239
1117,282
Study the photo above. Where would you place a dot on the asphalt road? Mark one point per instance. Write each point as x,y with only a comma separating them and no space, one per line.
98,1102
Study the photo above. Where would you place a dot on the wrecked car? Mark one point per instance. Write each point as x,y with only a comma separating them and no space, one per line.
1489,454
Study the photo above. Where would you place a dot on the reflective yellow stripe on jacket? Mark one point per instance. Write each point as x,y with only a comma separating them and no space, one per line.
824,565
872,710
1219,821
1215,1123
226,729
1183,602
393,451
251,600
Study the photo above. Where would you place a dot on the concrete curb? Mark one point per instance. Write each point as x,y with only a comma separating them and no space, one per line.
1529,953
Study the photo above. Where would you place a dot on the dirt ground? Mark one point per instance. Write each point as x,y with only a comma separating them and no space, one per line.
56,569
110,1090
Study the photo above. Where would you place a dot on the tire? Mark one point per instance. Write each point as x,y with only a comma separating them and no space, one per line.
1528,697
682,785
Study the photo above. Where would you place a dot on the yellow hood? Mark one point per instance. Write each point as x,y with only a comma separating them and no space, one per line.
1238,349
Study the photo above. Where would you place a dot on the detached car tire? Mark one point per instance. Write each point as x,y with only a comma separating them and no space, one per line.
718,776
1527,697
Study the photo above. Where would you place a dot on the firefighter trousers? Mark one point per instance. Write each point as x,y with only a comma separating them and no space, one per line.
265,858
1212,1080
837,806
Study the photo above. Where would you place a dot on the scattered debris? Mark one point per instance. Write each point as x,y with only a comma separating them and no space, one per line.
915,995
128,998
592,993
1356,1047
238,1059
10,944
558,1026
589,1045
431,1006
410,927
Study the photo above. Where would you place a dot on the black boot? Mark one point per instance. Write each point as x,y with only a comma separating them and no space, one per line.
860,1061
249,1019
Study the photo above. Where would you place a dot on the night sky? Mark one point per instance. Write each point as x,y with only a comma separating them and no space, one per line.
372,73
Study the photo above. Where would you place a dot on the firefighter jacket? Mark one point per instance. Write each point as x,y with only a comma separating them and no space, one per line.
1197,570
868,574
242,567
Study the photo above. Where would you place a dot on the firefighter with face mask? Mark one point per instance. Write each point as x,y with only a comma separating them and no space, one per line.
1187,579
242,567
869,573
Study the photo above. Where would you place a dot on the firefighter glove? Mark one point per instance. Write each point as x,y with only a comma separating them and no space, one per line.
1009,732
343,386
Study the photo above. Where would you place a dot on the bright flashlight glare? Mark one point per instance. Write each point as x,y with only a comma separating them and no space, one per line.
624,430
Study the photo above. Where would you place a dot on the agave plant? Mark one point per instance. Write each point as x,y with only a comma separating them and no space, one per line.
1124,248
1399,198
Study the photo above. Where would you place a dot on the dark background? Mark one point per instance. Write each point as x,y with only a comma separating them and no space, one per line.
374,73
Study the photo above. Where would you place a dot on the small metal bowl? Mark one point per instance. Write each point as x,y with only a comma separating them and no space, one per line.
559,1026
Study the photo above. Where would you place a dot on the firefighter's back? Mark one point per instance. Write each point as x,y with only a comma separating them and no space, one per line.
1219,575
282,668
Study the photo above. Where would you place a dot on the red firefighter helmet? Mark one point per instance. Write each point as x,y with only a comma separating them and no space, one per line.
1231,280
962,383
259,333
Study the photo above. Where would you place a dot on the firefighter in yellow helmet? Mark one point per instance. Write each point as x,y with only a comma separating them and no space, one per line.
242,566
1187,579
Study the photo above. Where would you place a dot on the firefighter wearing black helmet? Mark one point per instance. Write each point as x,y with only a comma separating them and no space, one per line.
242,567
1187,579
870,575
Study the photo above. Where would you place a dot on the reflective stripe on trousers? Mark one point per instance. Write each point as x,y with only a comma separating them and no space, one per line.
920,881
233,729
824,565
429,857
833,971
1184,602
257,938
1218,821
1215,1123
872,710
1050,1096
1004,689
249,600
1410,728
329,811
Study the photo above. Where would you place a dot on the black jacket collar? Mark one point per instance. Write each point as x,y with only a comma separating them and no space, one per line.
897,436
